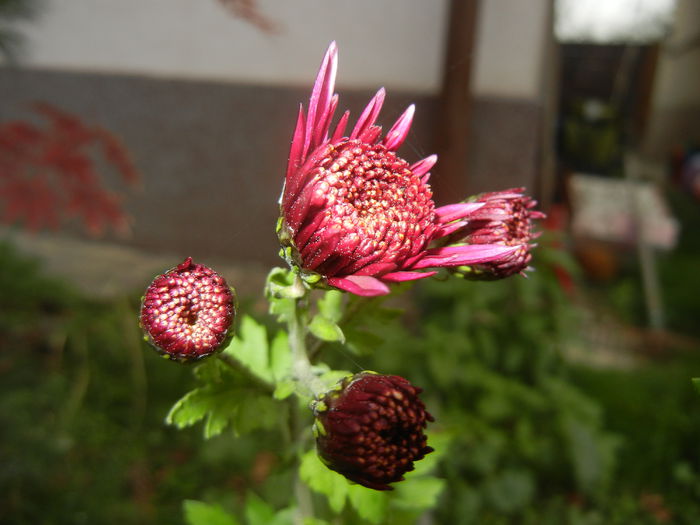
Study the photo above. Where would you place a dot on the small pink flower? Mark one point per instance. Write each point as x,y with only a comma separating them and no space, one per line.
371,429
506,219
187,312
353,212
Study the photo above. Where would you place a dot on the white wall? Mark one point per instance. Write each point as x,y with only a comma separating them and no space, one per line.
395,43
511,42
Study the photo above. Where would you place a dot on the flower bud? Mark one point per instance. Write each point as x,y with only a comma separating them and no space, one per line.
187,312
370,429
505,218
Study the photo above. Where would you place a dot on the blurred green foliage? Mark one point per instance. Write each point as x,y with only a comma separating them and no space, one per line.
524,436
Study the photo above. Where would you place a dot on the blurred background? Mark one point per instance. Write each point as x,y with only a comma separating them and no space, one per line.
133,134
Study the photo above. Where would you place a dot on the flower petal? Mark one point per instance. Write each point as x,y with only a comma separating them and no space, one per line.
422,167
453,212
399,277
463,255
320,100
398,132
360,285
369,115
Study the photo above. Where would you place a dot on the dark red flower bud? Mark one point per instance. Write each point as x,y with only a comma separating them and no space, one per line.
187,312
504,218
370,429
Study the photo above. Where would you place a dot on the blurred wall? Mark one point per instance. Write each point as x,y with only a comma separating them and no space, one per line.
205,102
675,113
396,43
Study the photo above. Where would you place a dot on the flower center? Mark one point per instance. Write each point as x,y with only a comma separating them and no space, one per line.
375,209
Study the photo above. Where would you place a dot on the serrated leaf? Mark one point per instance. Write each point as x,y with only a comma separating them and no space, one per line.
217,403
370,505
280,357
418,493
257,512
198,513
250,348
331,305
323,480
325,329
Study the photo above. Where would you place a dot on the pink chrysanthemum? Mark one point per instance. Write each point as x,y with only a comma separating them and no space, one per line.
371,428
505,218
187,312
354,213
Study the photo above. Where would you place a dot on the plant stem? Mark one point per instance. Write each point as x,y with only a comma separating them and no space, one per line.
305,379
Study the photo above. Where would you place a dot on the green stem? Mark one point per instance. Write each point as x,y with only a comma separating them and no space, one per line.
305,379
307,382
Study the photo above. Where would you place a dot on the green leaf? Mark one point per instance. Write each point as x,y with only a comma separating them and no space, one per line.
331,305
418,493
325,329
696,382
323,480
284,389
222,405
250,348
216,404
370,505
280,357
198,513
257,512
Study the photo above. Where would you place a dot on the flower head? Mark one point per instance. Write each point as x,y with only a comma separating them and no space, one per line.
355,214
370,429
505,218
187,312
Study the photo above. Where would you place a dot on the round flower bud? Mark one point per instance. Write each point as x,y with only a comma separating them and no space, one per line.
187,312
370,429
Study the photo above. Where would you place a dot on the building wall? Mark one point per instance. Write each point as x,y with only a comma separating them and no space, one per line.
675,114
206,103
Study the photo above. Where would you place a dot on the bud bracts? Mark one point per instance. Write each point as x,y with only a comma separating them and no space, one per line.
370,429
506,219
187,312
356,215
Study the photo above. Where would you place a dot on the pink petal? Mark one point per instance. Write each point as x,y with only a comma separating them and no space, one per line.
453,212
340,127
369,115
360,285
398,277
397,134
449,228
321,95
463,255
370,135
321,132
295,159
422,167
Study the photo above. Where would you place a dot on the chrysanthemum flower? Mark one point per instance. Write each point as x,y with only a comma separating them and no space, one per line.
505,218
187,312
370,429
356,215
